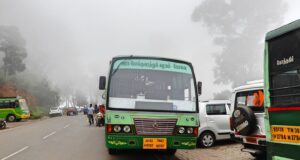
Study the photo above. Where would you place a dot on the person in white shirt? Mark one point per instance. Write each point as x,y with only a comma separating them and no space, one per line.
90,114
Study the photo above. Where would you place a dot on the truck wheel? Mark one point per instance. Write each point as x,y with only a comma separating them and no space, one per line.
11,118
112,151
207,139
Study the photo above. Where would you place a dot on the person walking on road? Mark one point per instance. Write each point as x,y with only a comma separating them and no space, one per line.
90,114
96,110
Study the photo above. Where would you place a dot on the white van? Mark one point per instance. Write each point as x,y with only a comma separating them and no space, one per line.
214,118
55,111
247,118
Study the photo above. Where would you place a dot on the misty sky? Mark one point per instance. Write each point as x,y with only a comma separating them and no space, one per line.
71,41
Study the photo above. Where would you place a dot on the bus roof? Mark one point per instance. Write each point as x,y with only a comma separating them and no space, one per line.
283,30
150,57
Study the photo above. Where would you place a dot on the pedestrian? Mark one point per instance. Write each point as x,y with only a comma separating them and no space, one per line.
90,114
96,110
85,109
102,109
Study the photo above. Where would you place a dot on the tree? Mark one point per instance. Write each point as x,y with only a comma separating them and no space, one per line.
81,99
238,27
13,46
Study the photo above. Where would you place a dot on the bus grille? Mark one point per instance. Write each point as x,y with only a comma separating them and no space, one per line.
149,126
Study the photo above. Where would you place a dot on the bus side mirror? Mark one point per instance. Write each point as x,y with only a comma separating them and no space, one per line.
102,82
199,87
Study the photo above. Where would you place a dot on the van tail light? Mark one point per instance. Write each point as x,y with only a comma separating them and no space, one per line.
231,123
109,128
196,131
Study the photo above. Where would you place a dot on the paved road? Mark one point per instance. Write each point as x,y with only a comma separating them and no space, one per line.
65,138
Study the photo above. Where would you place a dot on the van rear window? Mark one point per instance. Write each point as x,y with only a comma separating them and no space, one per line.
215,109
253,99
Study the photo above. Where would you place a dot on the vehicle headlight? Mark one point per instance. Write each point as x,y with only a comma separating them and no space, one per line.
190,130
181,130
126,129
117,128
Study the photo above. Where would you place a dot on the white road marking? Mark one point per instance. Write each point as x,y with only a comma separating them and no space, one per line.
66,126
21,150
45,137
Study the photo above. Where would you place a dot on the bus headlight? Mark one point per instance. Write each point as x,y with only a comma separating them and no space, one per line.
126,129
190,130
117,128
181,130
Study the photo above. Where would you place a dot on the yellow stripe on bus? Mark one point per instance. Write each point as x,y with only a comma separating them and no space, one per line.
19,115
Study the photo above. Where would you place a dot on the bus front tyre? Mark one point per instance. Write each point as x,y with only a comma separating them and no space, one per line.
112,151
11,118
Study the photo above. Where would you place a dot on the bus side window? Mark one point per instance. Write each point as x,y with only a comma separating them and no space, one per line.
6,104
11,105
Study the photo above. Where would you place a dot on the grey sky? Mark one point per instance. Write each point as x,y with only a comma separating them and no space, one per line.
72,41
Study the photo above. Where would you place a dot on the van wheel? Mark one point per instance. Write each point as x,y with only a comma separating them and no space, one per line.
112,151
11,118
207,139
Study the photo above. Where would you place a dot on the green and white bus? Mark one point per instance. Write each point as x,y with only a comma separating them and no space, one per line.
151,103
13,109
282,92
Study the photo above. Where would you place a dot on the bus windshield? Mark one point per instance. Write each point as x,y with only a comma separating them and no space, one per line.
23,105
152,84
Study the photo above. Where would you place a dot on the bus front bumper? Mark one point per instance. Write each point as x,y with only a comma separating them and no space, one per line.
25,116
136,142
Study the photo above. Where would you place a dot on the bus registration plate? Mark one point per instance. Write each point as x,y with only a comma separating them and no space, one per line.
154,143
286,133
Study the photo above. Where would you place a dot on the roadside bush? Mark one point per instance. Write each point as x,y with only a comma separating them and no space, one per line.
36,113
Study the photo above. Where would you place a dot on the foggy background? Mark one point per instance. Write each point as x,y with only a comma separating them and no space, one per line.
68,43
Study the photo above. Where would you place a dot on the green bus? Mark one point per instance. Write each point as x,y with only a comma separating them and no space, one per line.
13,109
282,92
151,103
